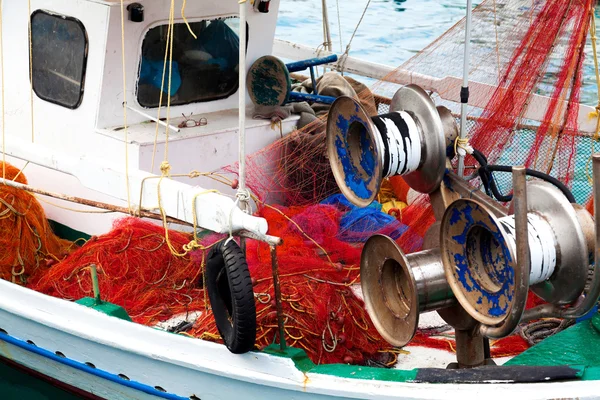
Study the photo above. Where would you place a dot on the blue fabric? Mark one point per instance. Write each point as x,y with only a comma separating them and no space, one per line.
358,224
151,73
220,41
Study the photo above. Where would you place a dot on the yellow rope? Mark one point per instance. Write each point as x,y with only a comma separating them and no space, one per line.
22,169
462,144
162,89
195,242
596,113
125,104
30,70
170,46
185,20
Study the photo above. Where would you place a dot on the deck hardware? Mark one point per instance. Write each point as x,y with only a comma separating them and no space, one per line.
136,12
410,141
492,262
154,119
397,287
269,81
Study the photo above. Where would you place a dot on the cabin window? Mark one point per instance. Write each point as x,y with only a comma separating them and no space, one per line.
58,58
203,69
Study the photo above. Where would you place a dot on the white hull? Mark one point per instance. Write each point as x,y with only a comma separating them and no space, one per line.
184,367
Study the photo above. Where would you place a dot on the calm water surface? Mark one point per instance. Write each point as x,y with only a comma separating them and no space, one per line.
391,32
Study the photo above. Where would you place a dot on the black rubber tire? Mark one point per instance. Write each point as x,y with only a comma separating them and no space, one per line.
231,296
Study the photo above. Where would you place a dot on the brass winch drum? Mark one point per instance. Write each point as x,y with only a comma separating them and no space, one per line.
408,141
479,253
398,287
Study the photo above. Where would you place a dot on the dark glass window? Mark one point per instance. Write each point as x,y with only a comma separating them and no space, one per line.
203,69
58,58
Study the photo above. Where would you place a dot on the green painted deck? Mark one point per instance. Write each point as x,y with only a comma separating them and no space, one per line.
578,345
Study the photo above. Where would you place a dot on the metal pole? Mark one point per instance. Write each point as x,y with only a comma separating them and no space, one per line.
242,98
469,348
278,305
464,91
95,284
326,32
523,269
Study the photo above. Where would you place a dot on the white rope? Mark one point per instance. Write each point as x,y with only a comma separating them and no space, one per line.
542,247
403,151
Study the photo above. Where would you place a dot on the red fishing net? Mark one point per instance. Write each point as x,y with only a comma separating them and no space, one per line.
136,270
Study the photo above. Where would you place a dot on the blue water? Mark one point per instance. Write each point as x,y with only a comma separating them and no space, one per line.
391,32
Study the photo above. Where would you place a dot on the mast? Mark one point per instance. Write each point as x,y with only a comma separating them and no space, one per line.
464,93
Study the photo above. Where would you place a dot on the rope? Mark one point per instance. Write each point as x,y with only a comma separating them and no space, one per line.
194,243
344,56
30,73
535,332
162,88
170,46
462,144
185,19
124,105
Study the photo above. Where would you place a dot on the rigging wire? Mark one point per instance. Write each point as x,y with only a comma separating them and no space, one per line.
337,4
344,56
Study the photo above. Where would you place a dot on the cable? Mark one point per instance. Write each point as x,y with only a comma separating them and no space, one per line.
489,183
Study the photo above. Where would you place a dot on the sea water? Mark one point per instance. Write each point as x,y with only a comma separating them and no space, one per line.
391,32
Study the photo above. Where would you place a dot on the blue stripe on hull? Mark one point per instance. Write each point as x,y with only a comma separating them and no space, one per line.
93,371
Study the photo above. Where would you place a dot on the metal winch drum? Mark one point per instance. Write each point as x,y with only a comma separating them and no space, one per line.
479,253
397,287
410,141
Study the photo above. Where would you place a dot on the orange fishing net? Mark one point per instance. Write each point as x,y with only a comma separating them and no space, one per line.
26,239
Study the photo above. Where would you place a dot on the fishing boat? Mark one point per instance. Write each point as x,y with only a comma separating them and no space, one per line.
115,110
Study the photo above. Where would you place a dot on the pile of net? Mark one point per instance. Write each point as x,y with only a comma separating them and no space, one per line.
136,270
319,269
26,238
319,265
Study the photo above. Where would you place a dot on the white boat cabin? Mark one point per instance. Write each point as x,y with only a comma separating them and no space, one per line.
72,119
